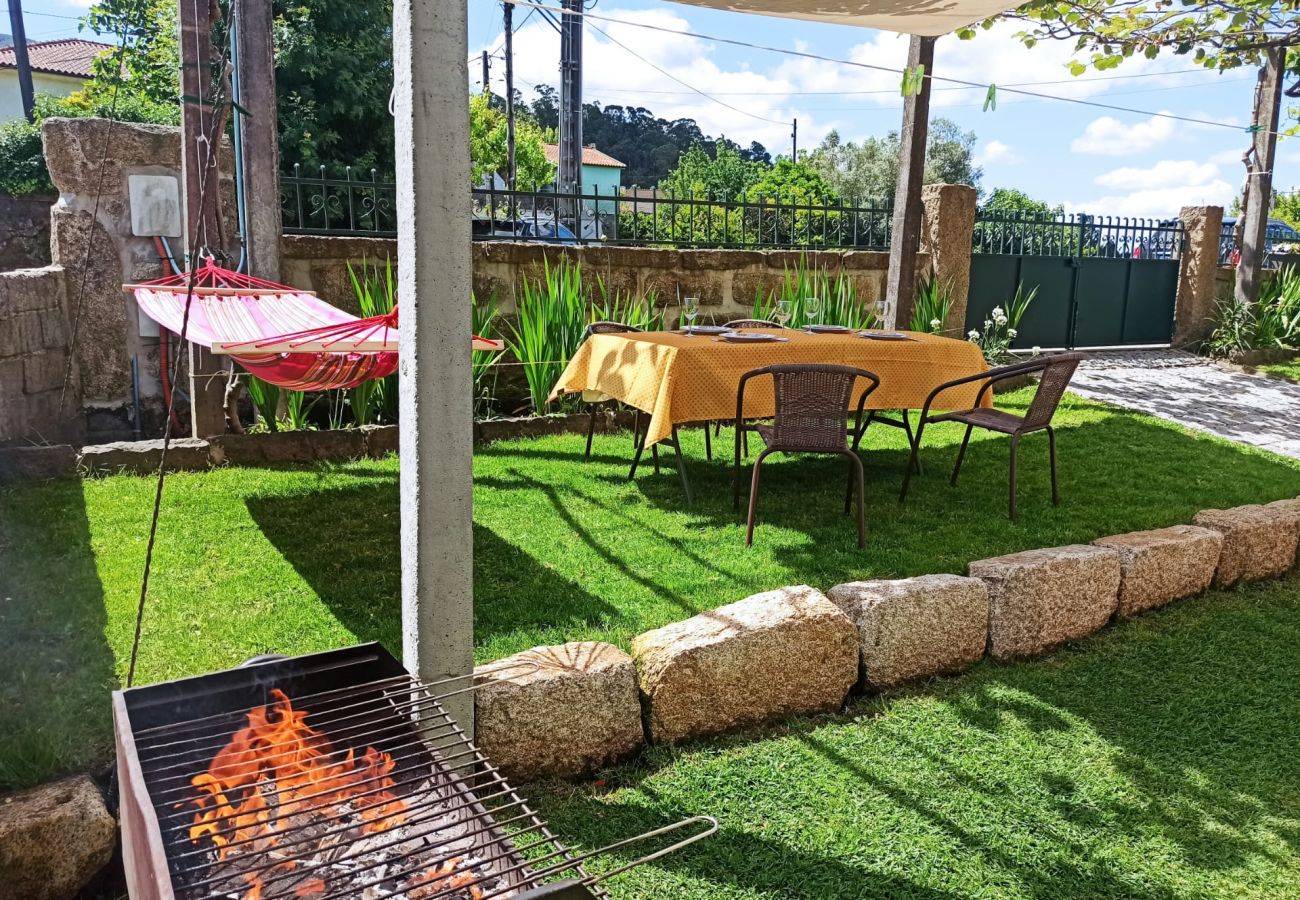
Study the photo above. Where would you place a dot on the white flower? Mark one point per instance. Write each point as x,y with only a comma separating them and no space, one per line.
997,311
1035,349
1000,320
1011,332
936,324
988,323
973,335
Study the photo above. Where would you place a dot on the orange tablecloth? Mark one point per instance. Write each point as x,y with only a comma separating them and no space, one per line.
678,378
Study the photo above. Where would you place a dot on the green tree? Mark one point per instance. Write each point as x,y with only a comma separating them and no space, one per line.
488,151
790,181
141,76
1010,200
723,176
868,171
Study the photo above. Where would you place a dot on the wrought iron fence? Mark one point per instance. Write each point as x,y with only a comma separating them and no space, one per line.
353,205
1281,243
1018,233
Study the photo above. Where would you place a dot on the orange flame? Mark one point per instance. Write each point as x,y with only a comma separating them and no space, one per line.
277,747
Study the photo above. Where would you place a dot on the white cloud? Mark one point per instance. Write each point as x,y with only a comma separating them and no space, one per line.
1157,191
855,100
996,152
1108,136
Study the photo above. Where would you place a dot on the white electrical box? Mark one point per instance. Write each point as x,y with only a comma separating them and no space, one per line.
155,205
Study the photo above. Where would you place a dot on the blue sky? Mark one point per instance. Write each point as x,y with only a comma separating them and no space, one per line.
1089,159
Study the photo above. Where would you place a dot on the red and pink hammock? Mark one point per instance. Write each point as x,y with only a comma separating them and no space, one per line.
284,336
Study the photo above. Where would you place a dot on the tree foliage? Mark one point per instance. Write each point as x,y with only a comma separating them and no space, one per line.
1217,34
722,175
867,171
1010,200
489,154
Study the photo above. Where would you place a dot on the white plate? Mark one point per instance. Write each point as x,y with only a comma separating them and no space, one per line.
705,329
749,337
828,329
886,336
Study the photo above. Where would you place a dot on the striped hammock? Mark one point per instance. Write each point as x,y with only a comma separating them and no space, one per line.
284,336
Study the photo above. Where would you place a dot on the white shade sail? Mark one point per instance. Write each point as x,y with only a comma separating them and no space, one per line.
923,17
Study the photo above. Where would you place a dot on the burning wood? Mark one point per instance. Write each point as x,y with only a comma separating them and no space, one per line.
285,814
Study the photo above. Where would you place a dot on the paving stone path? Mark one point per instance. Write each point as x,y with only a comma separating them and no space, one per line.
1190,390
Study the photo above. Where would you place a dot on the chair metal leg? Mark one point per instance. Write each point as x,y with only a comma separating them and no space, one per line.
907,429
636,425
862,428
753,498
1015,445
862,501
912,463
681,466
961,455
708,443
1051,451
639,436
591,429
735,479
848,490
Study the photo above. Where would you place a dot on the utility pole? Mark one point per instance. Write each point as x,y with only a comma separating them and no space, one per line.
905,241
794,141
569,178
20,57
486,67
1259,175
202,199
510,94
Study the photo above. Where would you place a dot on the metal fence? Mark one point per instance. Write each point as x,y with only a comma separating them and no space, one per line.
1278,243
365,205
1018,233
355,204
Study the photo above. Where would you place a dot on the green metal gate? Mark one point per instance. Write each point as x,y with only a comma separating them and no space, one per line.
1102,282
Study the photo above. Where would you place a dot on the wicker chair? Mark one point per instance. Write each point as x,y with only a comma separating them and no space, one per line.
811,407
1055,372
595,398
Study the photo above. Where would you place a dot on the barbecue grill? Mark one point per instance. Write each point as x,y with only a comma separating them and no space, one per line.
328,776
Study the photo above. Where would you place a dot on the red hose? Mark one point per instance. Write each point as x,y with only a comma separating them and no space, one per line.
164,345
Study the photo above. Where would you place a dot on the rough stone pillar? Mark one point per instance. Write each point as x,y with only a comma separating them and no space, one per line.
1194,305
947,231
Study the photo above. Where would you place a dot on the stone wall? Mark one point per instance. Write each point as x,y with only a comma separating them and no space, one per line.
24,232
91,243
725,280
34,360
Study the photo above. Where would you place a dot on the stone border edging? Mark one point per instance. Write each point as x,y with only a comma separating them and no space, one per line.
19,464
796,651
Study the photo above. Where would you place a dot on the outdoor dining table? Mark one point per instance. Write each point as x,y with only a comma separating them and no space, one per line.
679,378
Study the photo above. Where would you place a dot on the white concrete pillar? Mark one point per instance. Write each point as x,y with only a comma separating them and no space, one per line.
430,52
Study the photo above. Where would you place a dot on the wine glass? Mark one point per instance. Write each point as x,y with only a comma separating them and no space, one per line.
784,312
690,309
813,307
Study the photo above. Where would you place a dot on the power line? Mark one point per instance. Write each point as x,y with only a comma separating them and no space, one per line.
668,74
804,54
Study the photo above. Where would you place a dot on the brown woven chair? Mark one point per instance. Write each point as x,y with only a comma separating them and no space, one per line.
1055,372
594,398
811,411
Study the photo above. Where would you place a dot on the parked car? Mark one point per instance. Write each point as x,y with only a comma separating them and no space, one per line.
521,230
1278,242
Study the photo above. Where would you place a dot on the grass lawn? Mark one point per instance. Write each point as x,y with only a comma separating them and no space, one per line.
253,561
1288,370
1154,760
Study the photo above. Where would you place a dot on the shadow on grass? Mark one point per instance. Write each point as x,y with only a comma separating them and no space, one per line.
1155,760
356,574
56,668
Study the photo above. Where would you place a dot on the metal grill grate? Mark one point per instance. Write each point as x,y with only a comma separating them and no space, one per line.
325,777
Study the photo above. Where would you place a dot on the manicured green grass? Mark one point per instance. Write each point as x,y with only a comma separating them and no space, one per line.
253,561
1287,370
1154,760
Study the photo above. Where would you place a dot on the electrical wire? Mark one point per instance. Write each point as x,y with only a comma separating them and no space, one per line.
668,74
804,54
